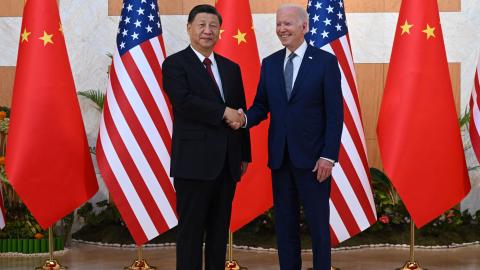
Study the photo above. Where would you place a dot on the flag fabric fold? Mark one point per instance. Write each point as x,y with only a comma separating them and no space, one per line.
48,162
237,42
474,129
133,147
3,211
352,208
418,130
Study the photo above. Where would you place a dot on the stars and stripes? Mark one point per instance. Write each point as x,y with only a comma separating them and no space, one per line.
352,208
133,148
474,129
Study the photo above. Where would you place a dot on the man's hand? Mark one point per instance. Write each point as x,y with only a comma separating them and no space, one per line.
234,118
323,168
244,167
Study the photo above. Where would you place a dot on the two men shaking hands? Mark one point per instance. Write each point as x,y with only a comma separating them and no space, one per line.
300,89
235,118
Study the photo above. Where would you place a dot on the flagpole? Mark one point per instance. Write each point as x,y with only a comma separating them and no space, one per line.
232,264
51,263
411,264
140,263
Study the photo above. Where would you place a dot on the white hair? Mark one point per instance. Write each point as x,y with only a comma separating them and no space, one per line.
301,11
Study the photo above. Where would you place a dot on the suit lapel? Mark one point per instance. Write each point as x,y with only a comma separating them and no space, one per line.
278,64
199,68
223,77
303,72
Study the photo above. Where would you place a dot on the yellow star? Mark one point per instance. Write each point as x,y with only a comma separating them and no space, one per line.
406,27
61,27
240,37
221,32
25,35
46,38
429,31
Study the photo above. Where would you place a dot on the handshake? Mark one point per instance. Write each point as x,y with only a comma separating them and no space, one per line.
234,118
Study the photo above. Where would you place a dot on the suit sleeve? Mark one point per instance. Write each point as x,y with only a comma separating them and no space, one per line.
246,145
259,109
334,110
184,101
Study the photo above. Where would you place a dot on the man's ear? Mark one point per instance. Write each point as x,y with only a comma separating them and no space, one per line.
305,27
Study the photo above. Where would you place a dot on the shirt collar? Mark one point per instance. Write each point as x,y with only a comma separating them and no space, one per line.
300,51
202,57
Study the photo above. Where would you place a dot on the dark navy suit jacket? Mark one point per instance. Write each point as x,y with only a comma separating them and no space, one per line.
311,122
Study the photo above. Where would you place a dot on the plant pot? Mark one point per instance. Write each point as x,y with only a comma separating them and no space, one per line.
28,246
24,246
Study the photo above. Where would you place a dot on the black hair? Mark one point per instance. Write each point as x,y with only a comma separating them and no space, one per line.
203,9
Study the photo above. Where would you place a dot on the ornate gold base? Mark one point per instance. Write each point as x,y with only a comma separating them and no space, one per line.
411,266
233,265
140,265
51,265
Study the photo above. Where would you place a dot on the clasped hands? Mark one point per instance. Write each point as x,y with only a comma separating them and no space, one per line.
234,118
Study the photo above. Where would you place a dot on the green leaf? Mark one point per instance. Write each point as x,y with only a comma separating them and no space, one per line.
96,96
465,118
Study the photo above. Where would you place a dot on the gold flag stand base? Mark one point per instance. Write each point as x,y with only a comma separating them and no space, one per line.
411,266
332,268
140,265
233,265
51,265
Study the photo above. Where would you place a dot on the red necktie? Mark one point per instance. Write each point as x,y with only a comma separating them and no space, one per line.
208,64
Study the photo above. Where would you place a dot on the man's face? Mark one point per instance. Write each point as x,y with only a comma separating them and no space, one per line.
290,28
204,31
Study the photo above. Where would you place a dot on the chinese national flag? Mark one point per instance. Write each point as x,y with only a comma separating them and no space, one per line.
237,42
47,159
418,130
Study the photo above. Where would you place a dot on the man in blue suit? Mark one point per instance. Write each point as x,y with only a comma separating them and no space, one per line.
300,87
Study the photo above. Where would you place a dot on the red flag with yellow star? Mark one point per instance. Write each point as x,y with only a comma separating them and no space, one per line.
47,159
418,130
237,42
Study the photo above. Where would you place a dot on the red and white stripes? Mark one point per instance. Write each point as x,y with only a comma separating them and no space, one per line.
352,208
474,129
133,148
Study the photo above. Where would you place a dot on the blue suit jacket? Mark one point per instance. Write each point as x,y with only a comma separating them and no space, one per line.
311,122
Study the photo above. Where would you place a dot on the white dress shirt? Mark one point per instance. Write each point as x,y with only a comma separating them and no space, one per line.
215,72
297,61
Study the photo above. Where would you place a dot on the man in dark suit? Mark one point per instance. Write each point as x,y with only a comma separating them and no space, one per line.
208,157
300,88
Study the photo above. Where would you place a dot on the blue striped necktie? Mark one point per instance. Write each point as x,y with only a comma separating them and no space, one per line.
288,74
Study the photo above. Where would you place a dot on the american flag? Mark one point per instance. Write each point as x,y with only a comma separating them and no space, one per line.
352,208
474,129
133,148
